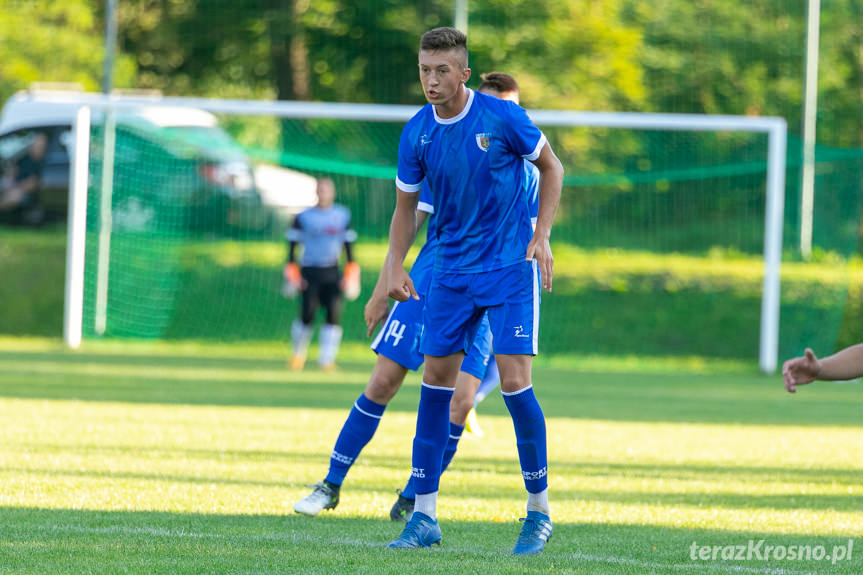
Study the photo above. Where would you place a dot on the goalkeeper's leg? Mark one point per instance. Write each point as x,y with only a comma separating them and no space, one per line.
302,328
331,332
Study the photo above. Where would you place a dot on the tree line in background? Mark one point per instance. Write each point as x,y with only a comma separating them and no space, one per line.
706,56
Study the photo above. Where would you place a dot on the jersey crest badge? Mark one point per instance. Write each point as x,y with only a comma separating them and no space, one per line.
483,140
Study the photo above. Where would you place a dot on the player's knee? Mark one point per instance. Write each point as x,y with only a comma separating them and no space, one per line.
436,379
459,408
513,382
382,387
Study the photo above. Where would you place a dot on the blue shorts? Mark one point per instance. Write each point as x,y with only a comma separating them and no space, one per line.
399,340
476,360
457,302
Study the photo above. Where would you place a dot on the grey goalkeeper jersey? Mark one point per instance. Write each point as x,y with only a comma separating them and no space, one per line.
323,233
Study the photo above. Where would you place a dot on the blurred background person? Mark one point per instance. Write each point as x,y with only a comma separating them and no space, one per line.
19,194
323,231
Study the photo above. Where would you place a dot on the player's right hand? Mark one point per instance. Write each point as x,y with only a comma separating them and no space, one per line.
540,250
375,312
401,287
800,371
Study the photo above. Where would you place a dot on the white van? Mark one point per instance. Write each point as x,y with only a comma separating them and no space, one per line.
176,160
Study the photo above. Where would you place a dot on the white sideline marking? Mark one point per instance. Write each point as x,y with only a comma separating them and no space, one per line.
303,538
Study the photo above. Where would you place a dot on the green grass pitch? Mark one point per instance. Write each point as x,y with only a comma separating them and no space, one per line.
145,458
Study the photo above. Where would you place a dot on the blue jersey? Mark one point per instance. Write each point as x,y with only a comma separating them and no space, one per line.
421,270
473,166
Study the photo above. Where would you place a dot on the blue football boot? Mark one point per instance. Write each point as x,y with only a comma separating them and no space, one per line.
420,531
535,533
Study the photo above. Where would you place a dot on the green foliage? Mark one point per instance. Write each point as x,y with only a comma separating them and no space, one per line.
730,57
54,41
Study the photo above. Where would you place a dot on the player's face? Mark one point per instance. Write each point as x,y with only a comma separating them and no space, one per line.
326,193
441,75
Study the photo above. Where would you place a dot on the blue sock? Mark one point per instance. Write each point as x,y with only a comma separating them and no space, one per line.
431,437
451,445
455,432
529,423
489,382
357,431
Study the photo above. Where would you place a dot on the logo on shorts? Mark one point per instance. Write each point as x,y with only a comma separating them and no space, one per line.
483,140
519,332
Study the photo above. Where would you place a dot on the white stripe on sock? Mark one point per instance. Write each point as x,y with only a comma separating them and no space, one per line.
364,412
441,387
523,389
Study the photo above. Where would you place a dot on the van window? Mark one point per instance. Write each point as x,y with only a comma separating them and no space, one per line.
58,150
12,145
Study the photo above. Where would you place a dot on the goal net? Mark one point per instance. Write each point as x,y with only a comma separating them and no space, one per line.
667,241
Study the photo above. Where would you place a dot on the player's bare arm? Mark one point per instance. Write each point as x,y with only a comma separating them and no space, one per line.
377,308
550,185
845,364
402,232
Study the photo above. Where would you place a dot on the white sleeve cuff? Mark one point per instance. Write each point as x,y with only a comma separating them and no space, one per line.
408,188
536,151
424,207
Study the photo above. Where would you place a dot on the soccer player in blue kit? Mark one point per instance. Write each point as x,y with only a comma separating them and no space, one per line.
471,388
397,346
468,148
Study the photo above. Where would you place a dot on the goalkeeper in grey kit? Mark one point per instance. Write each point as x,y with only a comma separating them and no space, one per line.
323,230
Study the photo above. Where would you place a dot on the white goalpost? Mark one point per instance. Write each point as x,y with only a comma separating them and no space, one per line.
773,127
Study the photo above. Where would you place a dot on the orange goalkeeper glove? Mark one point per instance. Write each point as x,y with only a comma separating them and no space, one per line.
292,280
351,284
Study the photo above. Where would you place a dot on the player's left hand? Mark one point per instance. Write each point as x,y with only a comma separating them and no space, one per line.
375,312
540,249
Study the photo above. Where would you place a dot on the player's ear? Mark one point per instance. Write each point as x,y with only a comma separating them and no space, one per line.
465,75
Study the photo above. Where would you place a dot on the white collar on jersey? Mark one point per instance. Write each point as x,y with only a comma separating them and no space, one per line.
460,115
